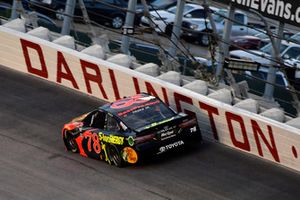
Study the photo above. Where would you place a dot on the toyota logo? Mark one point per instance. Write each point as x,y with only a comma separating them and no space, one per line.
162,149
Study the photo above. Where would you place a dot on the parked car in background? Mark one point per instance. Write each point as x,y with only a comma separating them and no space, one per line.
44,21
108,12
265,39
255,42
262,74
162,4
163,18
290,53
199,29
295,38
245,42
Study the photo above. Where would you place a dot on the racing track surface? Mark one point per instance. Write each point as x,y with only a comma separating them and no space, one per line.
34,164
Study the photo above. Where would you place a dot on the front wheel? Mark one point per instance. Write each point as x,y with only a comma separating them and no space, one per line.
114,156
70,142
59,14
117,22
204,39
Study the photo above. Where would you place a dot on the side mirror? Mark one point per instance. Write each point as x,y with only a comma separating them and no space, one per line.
286,57
188,16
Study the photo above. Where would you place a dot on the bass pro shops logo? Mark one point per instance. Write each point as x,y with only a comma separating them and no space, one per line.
170,146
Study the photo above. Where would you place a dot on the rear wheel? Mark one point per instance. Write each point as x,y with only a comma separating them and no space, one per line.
205,38
70,142
117,22
114,156
59,14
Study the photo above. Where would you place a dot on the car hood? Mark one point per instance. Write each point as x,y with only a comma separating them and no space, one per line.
247,37
253,55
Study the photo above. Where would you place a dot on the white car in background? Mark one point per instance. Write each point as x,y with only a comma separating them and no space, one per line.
164,17
198,29
290,53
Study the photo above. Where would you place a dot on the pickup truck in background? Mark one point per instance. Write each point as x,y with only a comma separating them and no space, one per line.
199,29
289,52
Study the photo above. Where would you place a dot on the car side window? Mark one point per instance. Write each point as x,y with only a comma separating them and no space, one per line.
293,53
111,1
95,119
112,124
197,14
239,18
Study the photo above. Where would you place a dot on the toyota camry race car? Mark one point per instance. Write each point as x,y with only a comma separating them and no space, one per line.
122,131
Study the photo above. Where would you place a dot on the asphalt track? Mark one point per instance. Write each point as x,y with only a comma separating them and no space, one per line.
34,164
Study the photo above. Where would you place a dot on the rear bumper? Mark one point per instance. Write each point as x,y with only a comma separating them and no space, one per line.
155,147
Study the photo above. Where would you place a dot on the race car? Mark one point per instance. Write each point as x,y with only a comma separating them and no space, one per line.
122,131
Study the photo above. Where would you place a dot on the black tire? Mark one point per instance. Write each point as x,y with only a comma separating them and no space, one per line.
114,156
205,38
70,142
169,29
117,22
59,14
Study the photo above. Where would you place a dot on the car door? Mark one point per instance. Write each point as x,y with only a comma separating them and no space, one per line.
238,28
292,53
197,13
104,10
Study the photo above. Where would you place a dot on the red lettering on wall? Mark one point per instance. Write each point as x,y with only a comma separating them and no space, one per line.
150,89
272,147
239,144
43,69
114,84
136,85
61,63
92,77
211,111
181,98
165,96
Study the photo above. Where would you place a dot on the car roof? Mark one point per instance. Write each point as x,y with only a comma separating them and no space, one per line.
131,102
289,43
226,10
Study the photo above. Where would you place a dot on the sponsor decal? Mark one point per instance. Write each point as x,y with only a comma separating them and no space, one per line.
113,139
193,129
167,135
167,132
129,155
159,123
170,146
138,108
130,141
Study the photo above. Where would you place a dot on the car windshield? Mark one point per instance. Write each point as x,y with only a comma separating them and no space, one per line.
295,37
218,16
187,8
159,3
268,48
262,35
143,116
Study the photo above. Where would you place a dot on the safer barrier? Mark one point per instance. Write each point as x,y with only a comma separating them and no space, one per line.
237,128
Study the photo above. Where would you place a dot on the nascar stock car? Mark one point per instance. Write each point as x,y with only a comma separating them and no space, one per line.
121,131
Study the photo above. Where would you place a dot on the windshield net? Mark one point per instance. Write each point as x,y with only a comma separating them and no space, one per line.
145,114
